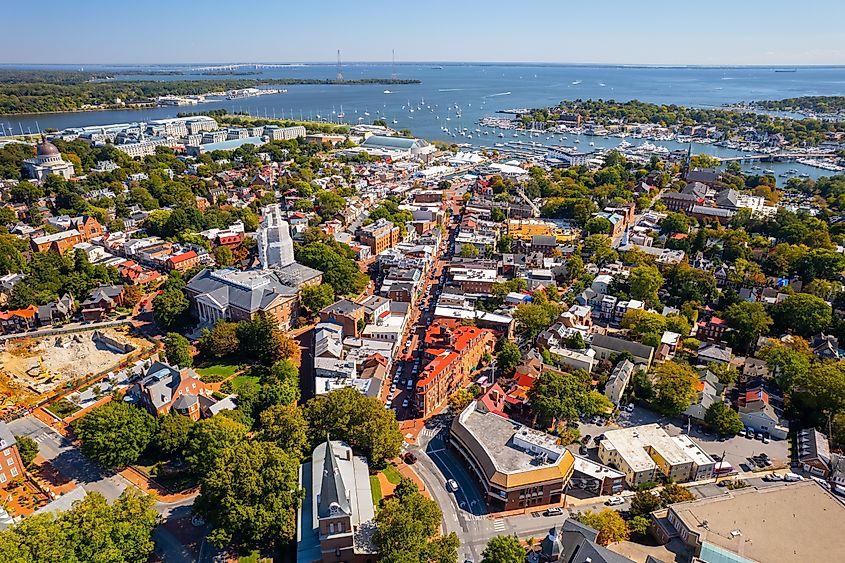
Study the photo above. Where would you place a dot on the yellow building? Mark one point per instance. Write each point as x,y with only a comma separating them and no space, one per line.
525,229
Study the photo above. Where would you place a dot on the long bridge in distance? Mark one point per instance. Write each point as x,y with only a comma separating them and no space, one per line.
775,157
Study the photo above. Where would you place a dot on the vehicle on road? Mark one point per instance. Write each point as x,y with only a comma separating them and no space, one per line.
553,511
615,501
405,404
452,485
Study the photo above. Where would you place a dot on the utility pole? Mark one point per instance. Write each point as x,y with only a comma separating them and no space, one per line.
339,68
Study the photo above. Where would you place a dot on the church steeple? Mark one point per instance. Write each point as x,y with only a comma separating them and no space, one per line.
333,499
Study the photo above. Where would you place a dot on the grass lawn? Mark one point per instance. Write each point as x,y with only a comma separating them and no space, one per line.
213,373
392,474
62,408
376,489
241,379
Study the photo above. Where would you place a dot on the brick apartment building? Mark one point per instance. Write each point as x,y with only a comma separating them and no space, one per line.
11,465
453,354
380,236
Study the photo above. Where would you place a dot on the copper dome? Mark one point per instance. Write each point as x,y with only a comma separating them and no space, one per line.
46,148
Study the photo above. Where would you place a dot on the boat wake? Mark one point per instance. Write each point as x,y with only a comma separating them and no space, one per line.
499,94
450,90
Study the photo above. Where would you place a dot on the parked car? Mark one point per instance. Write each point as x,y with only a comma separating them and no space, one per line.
773,477
586,439
792,477
582,449
630,407
615,501
452,485
553,511
410,458
410,384
405,404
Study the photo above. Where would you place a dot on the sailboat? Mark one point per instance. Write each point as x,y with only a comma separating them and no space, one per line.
340,114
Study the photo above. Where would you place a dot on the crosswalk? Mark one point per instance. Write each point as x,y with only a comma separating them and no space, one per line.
430,432
499,525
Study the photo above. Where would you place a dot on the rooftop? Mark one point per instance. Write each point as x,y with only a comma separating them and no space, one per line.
632,444
789,523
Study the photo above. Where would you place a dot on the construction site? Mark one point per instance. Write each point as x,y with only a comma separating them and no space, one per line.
34,368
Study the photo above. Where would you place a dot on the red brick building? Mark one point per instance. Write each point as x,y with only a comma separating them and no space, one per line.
183,262
453,353
11,465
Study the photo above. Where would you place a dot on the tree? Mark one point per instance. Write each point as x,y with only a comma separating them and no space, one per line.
177,350
787,364
91,530
172,434
609,524
508,357
260,339
27,448
564,396
285,426
749,321
362,422
220,341
503,549
339,271
505,242
644,503
684,283
803,314
208,438
407,528
645,326
639,525
281,386
171,309
533,318
673,493
468,251
115,433
460,399
251,494
223,256
316,297
821,391
676,222
405,488
675,387
598,225
723,419
645,282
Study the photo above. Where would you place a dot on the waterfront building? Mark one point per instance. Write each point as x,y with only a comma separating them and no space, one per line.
48,160
276,133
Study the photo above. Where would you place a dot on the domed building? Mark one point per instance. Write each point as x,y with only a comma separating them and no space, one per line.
48,161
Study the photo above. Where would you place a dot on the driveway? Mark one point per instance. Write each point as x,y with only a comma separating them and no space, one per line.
68,459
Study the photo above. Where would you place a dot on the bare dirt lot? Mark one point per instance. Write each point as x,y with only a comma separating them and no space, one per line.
34,366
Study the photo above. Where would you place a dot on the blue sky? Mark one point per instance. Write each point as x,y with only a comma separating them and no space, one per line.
607,31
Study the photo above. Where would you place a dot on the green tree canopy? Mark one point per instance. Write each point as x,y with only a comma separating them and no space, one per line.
220,341
749,321
363,422
508,357
723,419
316,297
91,530
407,530
207,438
803,314
503,549
250,494
27,448
285,426
177,350
115,434
609,524
564,396
675,387
172,434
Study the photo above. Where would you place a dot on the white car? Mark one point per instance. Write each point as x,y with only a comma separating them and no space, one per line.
405,404
630,407
615,501
452,485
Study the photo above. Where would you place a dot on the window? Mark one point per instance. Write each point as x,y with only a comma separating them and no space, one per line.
2,477
7,452
10,461
14,472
